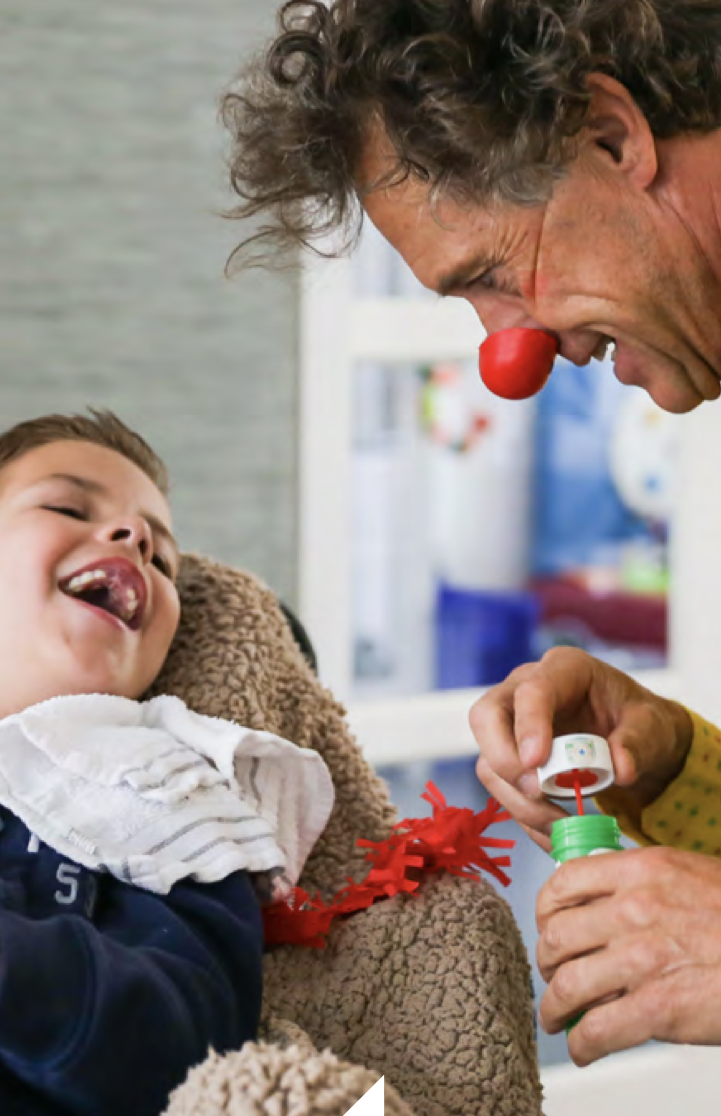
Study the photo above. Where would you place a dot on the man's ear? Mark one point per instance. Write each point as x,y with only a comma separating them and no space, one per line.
620,131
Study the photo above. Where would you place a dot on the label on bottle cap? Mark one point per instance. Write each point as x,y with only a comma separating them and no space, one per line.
577,757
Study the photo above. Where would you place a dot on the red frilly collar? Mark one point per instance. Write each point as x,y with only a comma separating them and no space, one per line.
452,840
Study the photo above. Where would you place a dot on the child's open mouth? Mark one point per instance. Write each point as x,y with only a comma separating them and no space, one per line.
113,585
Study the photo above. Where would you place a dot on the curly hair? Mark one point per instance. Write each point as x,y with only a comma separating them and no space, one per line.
481,97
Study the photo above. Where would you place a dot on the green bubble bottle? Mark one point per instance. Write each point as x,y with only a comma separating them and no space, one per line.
585,835
580,763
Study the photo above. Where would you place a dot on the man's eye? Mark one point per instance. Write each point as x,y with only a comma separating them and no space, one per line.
494,281
74,513
162,564
487,280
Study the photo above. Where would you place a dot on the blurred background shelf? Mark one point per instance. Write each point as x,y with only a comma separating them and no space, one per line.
413,329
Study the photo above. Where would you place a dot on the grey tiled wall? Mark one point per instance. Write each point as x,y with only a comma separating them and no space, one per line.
112,253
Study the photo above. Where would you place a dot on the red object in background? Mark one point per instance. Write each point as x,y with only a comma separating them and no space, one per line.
515,363
617,618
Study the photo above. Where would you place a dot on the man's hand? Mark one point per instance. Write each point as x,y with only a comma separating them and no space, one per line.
569,691
638,935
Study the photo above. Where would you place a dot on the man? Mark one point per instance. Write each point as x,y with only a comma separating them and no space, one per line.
558,165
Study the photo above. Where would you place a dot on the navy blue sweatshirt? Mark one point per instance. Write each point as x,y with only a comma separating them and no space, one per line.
108,994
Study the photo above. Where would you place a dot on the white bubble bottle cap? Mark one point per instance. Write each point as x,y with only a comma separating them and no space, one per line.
579,758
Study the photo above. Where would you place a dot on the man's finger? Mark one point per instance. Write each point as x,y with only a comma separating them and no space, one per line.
580,881
617,1025
690,879
536,814
534,710
623,966
492,723
573,933
559,683
577,986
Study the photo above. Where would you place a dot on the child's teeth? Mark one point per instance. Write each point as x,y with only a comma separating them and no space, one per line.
81,579
131,603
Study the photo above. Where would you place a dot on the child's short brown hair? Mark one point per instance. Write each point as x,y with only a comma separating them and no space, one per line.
99,426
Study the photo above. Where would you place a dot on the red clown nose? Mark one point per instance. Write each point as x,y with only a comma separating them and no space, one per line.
515,363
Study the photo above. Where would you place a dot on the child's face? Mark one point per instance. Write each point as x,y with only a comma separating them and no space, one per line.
70,509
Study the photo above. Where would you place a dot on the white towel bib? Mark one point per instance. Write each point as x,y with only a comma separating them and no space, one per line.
152,792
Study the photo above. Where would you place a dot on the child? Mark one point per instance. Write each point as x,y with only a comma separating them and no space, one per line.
130,930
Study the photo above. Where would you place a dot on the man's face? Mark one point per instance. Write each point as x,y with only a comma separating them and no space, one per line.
88,602
601,261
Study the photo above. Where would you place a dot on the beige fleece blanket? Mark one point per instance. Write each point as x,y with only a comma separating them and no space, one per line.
432,990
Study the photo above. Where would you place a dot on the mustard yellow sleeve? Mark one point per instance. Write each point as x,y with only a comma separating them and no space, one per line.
688,813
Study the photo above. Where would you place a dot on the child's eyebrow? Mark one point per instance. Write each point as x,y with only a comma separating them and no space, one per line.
95,487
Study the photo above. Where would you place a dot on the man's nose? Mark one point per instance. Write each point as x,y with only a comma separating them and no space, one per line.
506,315
133,531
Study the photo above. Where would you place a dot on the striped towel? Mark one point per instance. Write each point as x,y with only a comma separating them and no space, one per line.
153,793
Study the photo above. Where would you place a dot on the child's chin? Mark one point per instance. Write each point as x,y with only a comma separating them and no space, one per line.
99,681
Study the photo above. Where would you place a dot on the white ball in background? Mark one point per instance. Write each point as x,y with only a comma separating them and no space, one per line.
643,456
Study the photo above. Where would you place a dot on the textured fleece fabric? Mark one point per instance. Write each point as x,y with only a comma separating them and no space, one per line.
432,991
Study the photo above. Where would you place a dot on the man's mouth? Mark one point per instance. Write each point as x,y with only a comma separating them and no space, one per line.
113,585
605,350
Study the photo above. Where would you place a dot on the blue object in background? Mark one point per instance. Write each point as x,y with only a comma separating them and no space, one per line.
481,637
579,519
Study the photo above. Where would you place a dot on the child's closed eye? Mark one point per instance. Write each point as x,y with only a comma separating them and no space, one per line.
74,513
